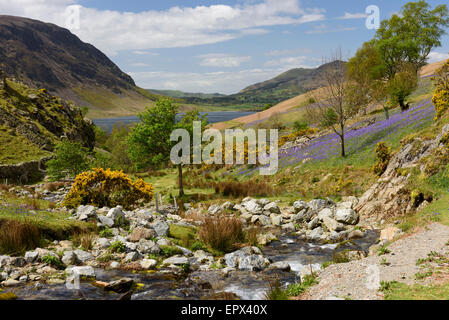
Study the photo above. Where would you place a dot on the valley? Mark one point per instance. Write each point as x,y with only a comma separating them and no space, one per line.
93,205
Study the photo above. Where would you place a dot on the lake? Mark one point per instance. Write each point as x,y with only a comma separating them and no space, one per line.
213,117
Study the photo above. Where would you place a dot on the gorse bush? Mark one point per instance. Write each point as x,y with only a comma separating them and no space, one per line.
107,188
441,95
383,154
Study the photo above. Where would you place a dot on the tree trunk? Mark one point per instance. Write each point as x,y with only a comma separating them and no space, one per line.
387,114
404,107
342,138
181,187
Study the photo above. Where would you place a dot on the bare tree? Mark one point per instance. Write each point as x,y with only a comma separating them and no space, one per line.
336,102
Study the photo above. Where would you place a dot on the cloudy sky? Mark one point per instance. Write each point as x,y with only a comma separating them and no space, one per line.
214,45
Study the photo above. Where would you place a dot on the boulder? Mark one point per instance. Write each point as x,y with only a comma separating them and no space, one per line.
248,258
332,225
141,233
161,228
276,220
304,216
272,207
31,256
319,204
316,233
300,205
288,227
228,205
69,258
326,212
347,216
120,286
148,247
315,222
84,213
214,209
117,215
176,260
108,222
132,256
253,207
388,234
83,256
280,265
103,243
148,264
83,272
264,220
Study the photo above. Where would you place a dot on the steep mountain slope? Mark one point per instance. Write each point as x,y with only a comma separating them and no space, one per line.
43,55
33,121
285,86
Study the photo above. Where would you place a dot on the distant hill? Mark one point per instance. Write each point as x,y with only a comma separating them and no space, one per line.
43,55
285,86
181,94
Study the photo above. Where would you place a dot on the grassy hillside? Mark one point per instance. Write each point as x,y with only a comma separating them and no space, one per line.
33,121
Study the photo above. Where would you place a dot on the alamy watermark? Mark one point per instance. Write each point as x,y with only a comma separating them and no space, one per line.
250,147
373,17
72,17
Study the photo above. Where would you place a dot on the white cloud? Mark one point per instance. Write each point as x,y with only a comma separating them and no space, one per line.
348,16
322,28
437,56
222,60
287,63
287,52
145,53
113,31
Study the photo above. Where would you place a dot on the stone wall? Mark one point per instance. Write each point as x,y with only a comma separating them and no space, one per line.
23,173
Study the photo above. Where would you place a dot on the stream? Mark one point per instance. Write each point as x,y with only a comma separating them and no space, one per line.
211,284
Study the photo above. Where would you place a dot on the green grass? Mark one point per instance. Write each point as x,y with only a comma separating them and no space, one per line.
16,148
401,291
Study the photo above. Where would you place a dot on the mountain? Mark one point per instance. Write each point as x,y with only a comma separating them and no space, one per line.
285,86
181,94
43,55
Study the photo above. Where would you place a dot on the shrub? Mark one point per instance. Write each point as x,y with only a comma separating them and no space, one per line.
53,261
248,188
440,97
222,233
275,292
296,289
300,125
169,251
117,246
383,154
18,236
106,188
70,159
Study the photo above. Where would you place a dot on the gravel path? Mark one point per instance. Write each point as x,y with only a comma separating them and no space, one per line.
356,279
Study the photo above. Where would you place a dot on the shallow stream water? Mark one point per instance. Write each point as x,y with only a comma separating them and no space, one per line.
206,284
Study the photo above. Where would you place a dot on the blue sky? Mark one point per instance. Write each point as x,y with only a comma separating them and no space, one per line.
219,45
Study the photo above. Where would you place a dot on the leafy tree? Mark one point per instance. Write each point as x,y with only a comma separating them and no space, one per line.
149,142
117,144
366,72
402,85
410,36
71,158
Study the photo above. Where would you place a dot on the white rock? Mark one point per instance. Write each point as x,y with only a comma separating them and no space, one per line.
85,271
148,264
347,216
